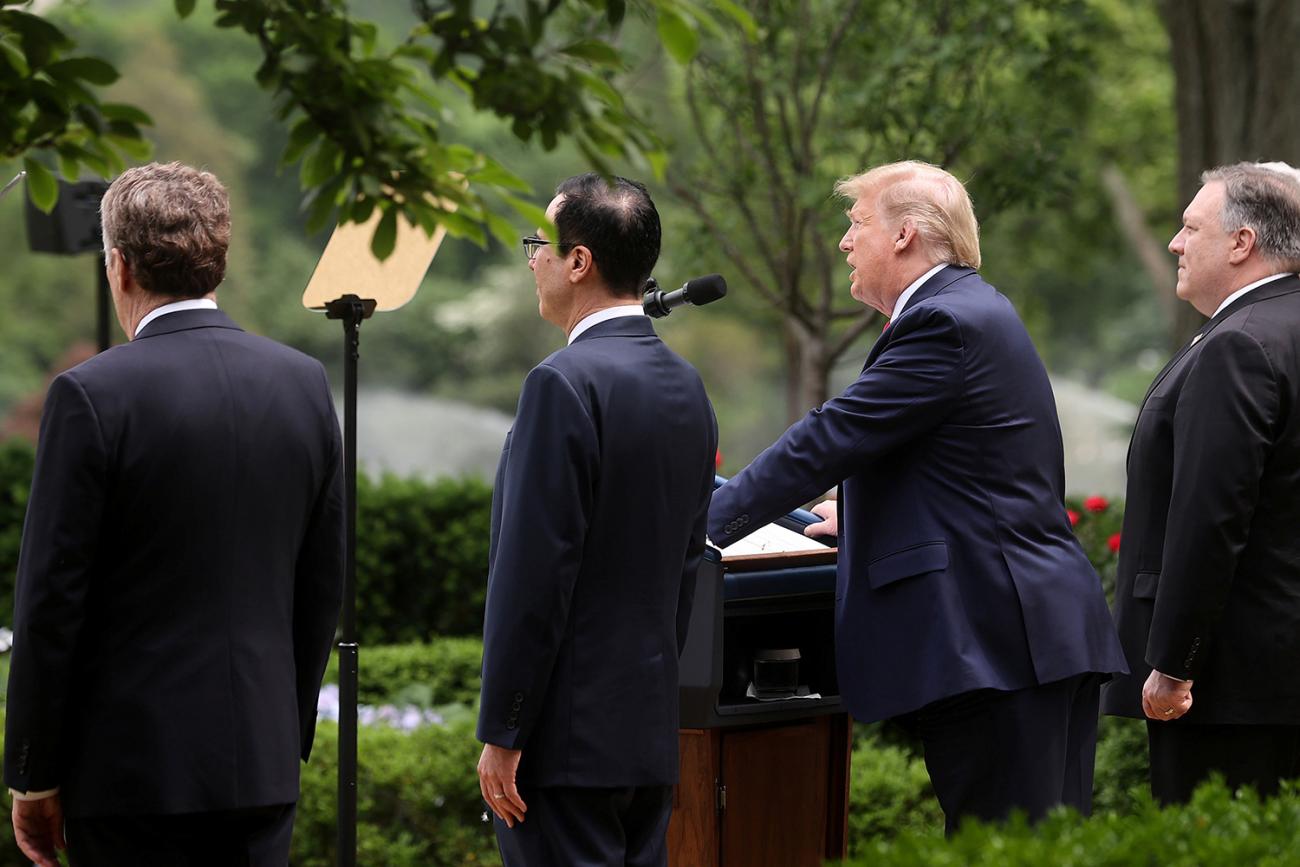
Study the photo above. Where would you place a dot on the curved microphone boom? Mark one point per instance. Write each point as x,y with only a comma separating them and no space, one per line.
697,292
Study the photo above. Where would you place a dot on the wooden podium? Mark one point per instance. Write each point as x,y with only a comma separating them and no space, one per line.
763,784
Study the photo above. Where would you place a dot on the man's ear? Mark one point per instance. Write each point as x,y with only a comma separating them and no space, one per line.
905,235
119,272
581,265
1244,243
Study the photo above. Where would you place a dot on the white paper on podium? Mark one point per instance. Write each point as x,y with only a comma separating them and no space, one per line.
771,539
347,267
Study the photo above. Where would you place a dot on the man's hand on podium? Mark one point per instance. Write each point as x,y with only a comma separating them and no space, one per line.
829,523
496,778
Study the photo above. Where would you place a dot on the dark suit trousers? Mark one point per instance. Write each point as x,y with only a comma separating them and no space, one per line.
991,752
1185,755
589,827
256,837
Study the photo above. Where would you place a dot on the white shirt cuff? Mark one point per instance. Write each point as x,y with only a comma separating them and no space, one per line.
33,796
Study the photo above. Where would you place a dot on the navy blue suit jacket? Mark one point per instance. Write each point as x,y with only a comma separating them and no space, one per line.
597,530
957,566
180,576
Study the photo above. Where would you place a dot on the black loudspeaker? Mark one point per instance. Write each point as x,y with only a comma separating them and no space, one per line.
73,226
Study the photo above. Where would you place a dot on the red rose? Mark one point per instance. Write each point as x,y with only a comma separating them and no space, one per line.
1113,543
1096,504
1073,516
717,460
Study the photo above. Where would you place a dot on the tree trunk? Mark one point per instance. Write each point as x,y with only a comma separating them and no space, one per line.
1235,80
809,367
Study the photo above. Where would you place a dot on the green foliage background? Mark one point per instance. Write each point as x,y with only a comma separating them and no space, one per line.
472,331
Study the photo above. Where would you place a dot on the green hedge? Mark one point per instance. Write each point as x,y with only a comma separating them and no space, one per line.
421,551
17,461
418,802
1216,829
442,672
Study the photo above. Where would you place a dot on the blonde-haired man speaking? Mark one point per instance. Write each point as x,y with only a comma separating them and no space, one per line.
965,608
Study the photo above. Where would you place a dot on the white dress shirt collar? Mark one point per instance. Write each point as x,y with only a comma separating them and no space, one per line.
604,316
175,307
901,303
1244,289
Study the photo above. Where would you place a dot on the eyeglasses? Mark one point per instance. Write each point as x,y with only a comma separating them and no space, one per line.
533,244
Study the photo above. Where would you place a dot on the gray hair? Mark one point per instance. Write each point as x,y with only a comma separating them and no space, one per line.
1265,197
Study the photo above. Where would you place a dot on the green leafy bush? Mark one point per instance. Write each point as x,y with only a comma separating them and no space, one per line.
889,792
418,801
1217,829
445,671
422,551
1122,771
17,461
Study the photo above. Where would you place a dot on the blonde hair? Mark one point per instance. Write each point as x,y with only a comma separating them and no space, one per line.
934,200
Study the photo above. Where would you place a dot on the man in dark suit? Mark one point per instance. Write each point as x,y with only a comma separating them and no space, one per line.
181,567
965,608
1208,590
597,529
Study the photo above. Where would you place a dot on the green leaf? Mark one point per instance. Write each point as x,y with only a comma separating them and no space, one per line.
133,146
460,226
128,113
41,185
14,56
658,163
304,132
595,51
740,15
499,176
385,237
320,203
320,166
599,87
91,69
679,37
502,229
536,216
184,8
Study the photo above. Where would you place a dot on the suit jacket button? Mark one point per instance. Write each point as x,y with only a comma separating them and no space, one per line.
519,696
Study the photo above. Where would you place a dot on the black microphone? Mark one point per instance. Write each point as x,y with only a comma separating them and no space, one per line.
697,292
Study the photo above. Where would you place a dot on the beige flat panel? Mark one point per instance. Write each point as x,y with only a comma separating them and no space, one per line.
347,267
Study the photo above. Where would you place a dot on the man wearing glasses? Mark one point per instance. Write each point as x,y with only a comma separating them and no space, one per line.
597,529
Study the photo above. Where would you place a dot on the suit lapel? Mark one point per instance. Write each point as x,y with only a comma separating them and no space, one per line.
1278,287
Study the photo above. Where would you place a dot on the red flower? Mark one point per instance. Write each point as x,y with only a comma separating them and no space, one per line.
1096,504
1073,516
717,460
1113,543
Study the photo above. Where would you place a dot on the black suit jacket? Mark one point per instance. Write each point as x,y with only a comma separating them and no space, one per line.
597,530
180,575
1209,571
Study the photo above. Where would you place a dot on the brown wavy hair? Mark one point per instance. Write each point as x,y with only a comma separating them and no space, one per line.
171,224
